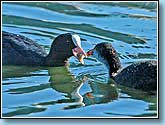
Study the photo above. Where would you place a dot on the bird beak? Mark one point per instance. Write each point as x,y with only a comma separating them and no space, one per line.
79,53
90,52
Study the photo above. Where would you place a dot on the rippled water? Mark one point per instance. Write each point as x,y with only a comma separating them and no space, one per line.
79,90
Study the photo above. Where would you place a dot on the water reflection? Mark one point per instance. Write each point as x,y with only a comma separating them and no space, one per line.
101,93
97,93
63,82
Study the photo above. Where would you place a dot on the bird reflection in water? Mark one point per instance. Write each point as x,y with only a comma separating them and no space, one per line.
79,92
101,93
97,93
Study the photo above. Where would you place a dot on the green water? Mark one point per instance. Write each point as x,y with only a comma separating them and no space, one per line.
79,90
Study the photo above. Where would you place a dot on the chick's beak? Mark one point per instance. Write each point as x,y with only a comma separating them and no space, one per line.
79,53
90,52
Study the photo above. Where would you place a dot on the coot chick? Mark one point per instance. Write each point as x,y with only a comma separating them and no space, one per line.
106,54
19,50
139,75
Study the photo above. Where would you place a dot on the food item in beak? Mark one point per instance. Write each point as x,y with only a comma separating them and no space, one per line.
79,53
81,57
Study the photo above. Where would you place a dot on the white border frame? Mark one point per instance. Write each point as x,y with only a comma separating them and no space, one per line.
156,117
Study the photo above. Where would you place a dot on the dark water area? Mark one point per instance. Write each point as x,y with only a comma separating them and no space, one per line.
79,90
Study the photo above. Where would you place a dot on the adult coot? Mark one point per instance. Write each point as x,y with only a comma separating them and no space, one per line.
19,50
140,75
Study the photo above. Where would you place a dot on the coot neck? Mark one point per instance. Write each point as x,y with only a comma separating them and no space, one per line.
60,51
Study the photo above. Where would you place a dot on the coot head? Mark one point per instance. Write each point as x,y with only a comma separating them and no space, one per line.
65,46
78,52
106,54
